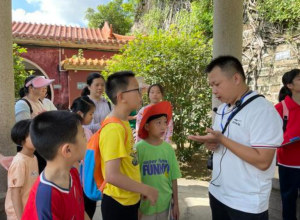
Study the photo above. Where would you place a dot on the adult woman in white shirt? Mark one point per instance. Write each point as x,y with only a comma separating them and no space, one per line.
94,90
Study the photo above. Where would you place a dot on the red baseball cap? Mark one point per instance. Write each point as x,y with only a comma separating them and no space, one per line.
39,82
161,108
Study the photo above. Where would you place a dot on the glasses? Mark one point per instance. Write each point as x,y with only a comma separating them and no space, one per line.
139,90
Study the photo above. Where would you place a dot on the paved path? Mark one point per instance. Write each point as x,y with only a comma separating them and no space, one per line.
194,202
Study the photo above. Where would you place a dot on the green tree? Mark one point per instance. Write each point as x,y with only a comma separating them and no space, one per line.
196,18
285,12
19,68
117,13
177,62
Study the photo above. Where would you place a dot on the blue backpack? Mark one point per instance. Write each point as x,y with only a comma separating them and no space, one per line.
90,170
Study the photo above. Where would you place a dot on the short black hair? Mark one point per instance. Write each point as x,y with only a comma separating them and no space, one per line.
117,82
153,117
228,64
49,130
157,85
20,131
82,104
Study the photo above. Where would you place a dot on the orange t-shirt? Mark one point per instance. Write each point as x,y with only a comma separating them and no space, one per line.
22,172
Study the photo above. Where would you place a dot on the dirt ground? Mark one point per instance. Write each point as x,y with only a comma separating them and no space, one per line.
196,169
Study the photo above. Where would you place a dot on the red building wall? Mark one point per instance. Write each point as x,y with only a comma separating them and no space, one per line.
48,59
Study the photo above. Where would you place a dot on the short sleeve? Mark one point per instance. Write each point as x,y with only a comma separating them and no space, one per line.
175,170
112,138
22,111
16,174
265,127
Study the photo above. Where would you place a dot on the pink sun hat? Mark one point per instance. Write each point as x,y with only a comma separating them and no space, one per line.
39,82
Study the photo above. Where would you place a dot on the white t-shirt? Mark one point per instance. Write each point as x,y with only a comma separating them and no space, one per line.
49,105
242,186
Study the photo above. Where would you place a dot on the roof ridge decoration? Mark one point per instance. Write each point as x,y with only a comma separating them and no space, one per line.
77,63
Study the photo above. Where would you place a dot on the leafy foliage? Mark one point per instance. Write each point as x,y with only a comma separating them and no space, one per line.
197,18
19,68
285,12
177,62
80,54
117,13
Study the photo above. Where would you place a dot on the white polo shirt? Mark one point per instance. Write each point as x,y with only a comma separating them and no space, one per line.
242,186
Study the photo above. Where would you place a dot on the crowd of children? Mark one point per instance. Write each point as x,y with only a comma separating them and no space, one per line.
60,138
140,178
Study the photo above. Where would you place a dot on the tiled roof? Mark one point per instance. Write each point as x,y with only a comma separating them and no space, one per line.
44,34
83,64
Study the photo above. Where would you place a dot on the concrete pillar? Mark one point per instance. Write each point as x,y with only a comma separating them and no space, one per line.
227,31
7,97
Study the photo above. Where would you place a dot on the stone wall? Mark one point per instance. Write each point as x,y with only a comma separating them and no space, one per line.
275,61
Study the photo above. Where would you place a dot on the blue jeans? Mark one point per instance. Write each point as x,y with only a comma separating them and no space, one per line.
223,212
289,179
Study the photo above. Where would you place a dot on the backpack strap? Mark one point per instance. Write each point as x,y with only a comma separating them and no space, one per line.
28,103
285,116
115,120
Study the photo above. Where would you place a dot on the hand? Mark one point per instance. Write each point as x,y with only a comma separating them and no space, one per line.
151,194
211,146
6,161
211,137
175,212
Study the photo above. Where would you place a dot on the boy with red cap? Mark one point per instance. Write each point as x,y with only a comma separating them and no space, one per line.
158,163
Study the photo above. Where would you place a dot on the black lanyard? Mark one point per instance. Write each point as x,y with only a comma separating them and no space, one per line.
239,109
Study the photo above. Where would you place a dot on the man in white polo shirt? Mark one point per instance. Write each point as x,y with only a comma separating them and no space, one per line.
244,156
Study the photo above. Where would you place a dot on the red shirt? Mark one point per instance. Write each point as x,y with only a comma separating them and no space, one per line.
48,201
290,155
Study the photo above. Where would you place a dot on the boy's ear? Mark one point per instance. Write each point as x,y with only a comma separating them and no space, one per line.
146,127
66,150
120,97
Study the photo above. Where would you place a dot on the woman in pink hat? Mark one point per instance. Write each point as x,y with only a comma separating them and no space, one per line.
30,104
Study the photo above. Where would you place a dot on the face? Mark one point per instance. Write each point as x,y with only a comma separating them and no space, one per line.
38,92
223,87
28,144
78,149
87,119
132,98
97,87
157,127
295,86
44,92
155,95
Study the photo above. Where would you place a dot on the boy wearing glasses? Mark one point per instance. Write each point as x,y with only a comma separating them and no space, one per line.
121,194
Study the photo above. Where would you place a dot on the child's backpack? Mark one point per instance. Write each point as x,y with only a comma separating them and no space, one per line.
285,116
90,170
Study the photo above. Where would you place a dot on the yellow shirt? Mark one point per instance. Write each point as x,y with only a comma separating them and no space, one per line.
112,147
